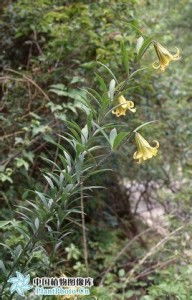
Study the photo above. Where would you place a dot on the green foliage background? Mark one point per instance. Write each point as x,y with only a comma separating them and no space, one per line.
49,53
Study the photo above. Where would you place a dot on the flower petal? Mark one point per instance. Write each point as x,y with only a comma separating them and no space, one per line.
156,65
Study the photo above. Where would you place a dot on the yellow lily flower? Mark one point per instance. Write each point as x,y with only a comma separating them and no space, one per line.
164,56
144,150
125,105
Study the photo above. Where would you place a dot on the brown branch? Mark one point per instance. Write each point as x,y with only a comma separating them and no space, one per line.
31,81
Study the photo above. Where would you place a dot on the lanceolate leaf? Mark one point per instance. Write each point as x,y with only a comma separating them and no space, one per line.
111,89
119,139
125,57
147,42
112,136
4,223
139,44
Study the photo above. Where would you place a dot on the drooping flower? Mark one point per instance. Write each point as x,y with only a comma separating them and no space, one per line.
144,150
125,105
164,56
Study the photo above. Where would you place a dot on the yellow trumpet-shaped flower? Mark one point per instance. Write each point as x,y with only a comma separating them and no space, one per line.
164,56
125,105
144,150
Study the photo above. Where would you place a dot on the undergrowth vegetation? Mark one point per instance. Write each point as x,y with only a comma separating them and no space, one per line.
95,142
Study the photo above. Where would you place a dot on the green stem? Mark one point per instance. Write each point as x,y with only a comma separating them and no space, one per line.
83,229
